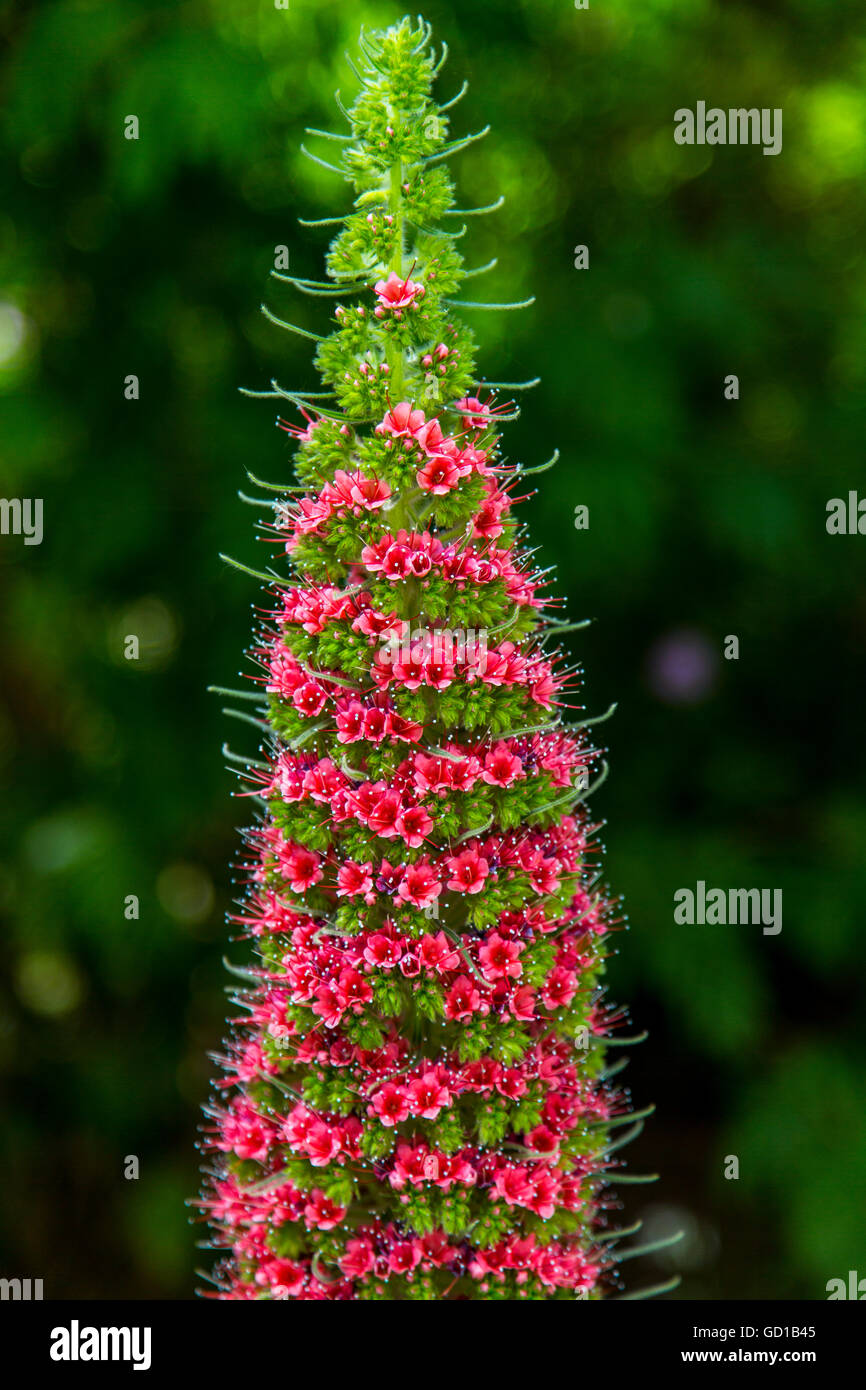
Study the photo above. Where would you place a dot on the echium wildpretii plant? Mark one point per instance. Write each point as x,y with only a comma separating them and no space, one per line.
416,1103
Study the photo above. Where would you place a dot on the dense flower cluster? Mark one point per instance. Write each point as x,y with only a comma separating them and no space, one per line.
414,1100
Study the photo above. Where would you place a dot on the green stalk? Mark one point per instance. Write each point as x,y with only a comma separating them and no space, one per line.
395,355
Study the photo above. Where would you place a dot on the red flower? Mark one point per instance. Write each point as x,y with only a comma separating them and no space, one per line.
513,1185
435,1249
427,1096
391,1104
468,871
302,869
309,699
395,293
328,1006
476,415
358,1259
356,491
401,421
559,989
521,1004
500,959
414,825
543,1141
420,885
322,1144
439,475
502,767
353,990
323,1214
383,952
403,1256
385,815
354,879
437,954
463,999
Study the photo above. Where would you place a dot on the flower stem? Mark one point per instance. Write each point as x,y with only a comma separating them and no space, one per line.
396,363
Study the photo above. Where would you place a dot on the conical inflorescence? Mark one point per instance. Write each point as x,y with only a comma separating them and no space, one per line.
415,1101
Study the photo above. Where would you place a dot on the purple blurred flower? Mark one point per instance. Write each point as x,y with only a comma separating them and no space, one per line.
682,667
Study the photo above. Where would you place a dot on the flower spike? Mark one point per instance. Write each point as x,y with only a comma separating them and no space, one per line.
413,1100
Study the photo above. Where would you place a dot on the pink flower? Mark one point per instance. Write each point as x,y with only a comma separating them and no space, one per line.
353,990
401,421
414,825
437,954
463,775
427,1096
309,699
510,1082
543,1141
302,869
559,989
513,1186
432,774
544,1191
376,725
354,879
410,966
246,1134
323,1214
283,1278
395,293
403,1257
433,441
435,1249
309,517
521,1004
420,885
356,491
328,1006
463,999
297,1125
322,1144
397,561
391,1104
358,1259
303,436
438,476
323,781
383,952
549,1268
500,959
350,721
502,767
385,815
468,871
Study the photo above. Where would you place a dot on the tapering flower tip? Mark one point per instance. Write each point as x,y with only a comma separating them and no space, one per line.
413,1104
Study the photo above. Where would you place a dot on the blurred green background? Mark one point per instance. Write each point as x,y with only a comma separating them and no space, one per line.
707,519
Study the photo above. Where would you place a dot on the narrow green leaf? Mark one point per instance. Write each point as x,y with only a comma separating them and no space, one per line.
454,100
469,304
258,695
636,1251
332,168
476,212
290,327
